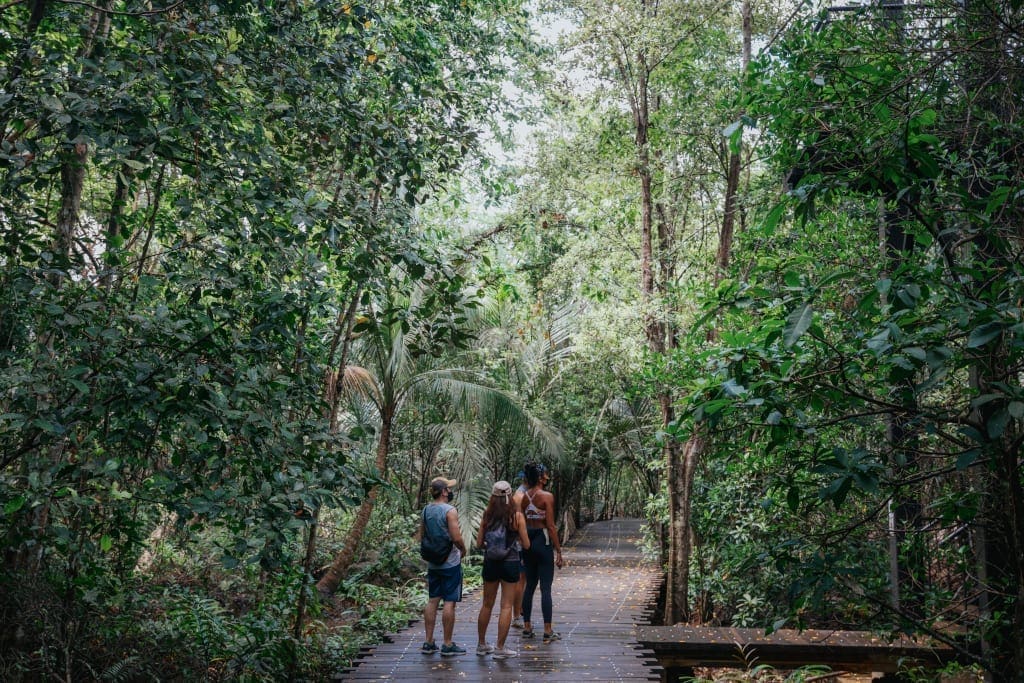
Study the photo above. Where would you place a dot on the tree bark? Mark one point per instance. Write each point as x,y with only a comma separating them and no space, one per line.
72,179
681,460
732,176
330,581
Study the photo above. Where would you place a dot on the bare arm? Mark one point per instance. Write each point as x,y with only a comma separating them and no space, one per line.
524,536
549,520
480,533
455,532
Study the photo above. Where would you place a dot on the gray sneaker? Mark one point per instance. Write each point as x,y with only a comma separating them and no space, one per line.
484,649
504,653
428,648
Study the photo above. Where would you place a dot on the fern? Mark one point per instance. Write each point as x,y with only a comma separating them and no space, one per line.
125,670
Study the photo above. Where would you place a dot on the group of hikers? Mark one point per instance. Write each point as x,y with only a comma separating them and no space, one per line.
521,551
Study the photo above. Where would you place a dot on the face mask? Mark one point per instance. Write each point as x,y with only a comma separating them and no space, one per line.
451,495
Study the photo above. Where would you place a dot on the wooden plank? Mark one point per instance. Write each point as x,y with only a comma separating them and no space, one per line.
855,651
599,599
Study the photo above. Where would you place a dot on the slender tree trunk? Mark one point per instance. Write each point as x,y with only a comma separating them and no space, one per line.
906,556
114,226
330,581
682,468
992,76
36,14
343,335
72,179
681,461
732,176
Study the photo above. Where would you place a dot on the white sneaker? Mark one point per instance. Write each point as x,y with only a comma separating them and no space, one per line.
517,622
504,653
484,649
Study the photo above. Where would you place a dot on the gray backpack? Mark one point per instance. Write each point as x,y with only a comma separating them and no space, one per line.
496,544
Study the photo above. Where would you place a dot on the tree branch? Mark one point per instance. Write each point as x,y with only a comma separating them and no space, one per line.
97,8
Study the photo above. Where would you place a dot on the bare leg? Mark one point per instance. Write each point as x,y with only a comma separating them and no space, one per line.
448,621
486,605
430,618
508,599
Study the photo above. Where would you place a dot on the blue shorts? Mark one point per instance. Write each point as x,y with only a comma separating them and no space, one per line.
445,583
501,570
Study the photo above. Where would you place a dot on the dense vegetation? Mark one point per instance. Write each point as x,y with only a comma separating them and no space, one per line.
263,273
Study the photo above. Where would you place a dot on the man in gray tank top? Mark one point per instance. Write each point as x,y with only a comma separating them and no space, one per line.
444,581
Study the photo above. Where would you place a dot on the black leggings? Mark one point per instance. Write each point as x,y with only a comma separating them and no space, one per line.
540,568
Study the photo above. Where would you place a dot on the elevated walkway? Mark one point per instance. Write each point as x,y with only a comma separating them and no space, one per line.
599,602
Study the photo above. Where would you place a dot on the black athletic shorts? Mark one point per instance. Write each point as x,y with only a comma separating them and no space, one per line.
501,570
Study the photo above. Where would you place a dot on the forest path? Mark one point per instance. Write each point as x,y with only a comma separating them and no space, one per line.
600,597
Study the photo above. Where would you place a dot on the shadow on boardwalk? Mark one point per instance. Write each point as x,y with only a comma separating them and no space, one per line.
599,599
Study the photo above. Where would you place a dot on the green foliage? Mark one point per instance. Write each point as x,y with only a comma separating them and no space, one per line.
189,196
761,672
866,356
257,646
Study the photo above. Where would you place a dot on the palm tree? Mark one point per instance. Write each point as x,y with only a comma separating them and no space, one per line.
391,377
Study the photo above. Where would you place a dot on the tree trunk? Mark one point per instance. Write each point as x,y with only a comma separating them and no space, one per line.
330,581
114,225
682,464
992,76
332,397
72,179
732,176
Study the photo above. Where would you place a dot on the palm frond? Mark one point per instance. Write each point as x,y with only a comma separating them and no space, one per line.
399,359
491,405
361,382
469,460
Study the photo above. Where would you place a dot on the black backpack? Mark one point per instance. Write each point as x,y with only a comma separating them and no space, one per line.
434,549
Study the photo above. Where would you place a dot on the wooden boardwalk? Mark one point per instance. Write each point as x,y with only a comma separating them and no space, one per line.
680,648
599,601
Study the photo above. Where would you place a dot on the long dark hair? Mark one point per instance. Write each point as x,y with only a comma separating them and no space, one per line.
532,472
500,507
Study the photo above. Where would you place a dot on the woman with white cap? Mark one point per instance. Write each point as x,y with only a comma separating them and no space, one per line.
502,534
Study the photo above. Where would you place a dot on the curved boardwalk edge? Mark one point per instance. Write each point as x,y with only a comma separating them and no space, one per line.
600,599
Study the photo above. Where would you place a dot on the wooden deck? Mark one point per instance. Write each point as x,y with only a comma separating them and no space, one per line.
679,648
599,601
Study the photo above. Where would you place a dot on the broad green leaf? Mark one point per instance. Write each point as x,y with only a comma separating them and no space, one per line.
997,424
982,335
797,322
14,504
771,221
967,458
793,498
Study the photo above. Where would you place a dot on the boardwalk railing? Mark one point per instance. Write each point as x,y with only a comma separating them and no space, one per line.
680,648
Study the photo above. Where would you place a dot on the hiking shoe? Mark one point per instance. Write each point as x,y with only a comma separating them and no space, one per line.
452,650
484,649
517,622
504,653
548,637
428,648
527,633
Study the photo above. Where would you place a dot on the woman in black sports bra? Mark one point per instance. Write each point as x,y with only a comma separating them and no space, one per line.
545,551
